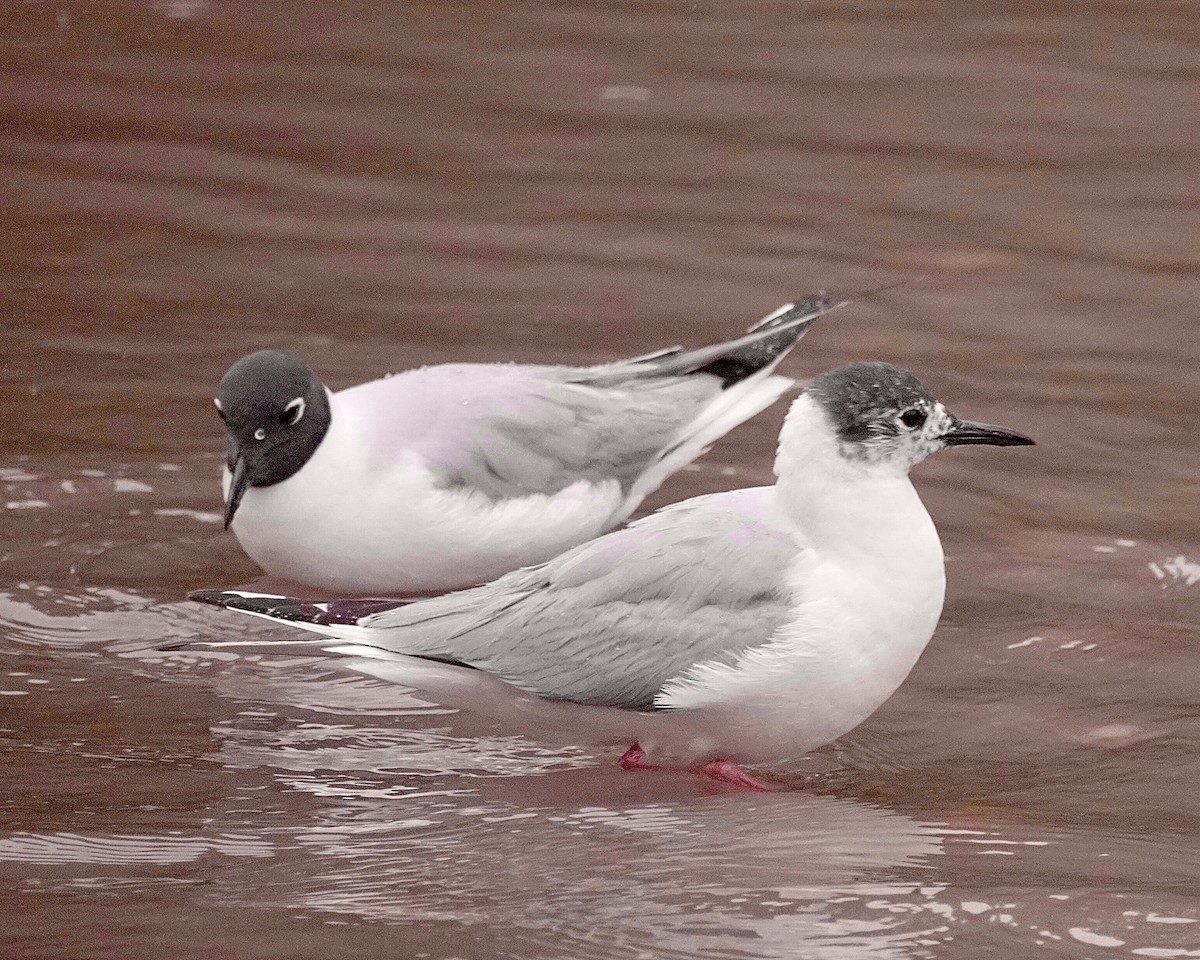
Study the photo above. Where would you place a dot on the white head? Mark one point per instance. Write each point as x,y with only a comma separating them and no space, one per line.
874,421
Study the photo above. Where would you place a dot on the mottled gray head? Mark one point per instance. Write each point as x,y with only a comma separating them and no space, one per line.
276,413
883,414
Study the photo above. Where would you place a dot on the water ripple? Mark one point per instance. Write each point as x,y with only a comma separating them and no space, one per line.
68,848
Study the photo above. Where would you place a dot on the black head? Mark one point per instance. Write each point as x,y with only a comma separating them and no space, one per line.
881,413
276,413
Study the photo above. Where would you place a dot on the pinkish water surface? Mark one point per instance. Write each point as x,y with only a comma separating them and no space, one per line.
381,186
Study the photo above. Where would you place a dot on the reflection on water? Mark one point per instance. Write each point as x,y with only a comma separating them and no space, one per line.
72,848
382,187
313,748
338,796
668,879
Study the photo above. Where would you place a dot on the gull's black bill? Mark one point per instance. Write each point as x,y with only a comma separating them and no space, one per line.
967,431
237,488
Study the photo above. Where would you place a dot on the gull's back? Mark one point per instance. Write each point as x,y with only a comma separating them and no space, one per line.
610,622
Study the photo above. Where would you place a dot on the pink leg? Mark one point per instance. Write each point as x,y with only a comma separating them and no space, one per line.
724,770
729,772
632,759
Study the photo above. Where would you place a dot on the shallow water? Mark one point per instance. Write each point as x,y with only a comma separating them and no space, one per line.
377,188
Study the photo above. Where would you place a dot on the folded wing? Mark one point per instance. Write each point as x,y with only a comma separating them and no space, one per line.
611,621
531,430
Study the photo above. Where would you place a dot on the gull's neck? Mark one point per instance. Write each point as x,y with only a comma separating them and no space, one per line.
845,506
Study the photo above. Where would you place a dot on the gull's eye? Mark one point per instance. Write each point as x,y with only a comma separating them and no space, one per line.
914,419
292,412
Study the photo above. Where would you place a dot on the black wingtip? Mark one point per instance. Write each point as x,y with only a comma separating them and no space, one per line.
217,598
289,609
813,303
277,608
790,323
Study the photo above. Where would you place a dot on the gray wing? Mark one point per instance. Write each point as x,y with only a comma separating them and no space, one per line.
611,621
577,432
527,430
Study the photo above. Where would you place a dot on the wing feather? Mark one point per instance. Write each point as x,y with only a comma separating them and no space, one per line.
610,622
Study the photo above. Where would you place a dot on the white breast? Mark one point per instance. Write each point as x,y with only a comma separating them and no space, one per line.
867,591
353,525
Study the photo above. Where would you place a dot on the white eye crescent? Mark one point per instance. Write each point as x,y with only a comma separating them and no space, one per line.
260,433
292,412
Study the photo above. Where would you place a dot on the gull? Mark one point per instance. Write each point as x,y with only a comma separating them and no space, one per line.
739,628
449,476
